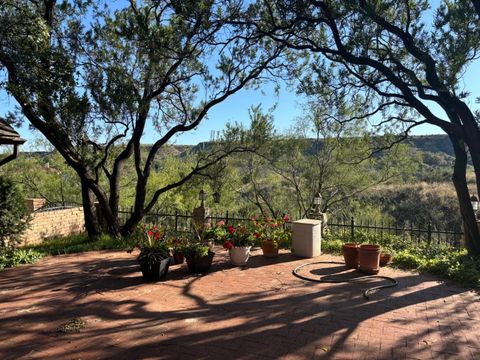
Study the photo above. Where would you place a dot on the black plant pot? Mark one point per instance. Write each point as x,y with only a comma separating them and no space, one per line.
178,258
155,271
200,264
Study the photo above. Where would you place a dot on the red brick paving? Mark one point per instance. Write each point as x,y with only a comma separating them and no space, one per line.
258,312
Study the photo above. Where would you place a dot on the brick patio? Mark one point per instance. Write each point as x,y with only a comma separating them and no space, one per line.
258,312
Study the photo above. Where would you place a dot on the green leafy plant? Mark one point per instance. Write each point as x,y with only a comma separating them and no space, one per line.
274,230
11,257
151,243
14,216
195,249
198,244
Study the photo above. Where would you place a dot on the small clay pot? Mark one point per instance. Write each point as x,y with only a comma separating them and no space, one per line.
369,258
350,254
385,259
269,249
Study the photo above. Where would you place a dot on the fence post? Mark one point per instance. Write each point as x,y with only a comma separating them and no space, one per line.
429,233
352,228
226,218
176,220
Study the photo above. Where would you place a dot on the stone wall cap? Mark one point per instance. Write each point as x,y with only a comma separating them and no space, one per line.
307,222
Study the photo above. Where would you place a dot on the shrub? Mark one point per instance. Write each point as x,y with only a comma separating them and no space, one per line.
81,243
10,257
13,213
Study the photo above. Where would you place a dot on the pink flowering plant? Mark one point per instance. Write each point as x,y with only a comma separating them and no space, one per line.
274,230
176,242
237,236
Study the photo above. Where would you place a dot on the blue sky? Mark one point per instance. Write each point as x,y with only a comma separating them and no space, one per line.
235,109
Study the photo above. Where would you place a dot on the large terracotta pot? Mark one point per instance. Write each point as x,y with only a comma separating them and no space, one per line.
350,254
369,258
269,249
239,255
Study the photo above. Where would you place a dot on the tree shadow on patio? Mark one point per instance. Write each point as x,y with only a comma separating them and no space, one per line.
252,314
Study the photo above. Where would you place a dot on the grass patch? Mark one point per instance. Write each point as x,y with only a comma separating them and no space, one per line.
79,243
13,257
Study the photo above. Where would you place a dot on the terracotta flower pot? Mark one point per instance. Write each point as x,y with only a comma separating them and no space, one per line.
369,258
270,250
385,259
350,254
239,255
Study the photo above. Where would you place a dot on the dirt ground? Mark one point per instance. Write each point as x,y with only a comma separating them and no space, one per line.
96,306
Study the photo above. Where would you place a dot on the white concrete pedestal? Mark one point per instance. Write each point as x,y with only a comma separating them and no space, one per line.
307,237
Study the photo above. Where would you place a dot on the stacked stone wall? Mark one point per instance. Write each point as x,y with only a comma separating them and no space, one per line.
52,222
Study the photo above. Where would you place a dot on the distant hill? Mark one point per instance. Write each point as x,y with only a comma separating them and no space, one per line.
436,149
432,143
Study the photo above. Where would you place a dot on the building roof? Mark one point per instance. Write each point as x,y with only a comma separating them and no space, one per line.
8,136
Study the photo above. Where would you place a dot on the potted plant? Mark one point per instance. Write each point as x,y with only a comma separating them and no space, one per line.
177,242
215,234
272,235
350,255
154,256
369,258
238,241
197,252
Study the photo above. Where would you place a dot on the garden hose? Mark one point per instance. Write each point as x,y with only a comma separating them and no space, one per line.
366,293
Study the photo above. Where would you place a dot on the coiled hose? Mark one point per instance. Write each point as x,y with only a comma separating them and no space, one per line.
366,293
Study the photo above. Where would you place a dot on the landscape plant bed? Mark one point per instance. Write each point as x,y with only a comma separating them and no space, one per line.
445,261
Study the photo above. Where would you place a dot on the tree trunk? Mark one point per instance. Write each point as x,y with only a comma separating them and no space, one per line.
138,210
91,220
472,235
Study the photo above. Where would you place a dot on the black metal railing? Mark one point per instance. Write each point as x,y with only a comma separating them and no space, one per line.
412,233
347,228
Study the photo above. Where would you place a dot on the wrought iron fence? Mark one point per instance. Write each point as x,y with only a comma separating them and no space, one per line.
410,233
347,228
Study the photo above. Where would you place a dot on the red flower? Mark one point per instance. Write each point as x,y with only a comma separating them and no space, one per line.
286,218
257,235
150,233
228,244
231,229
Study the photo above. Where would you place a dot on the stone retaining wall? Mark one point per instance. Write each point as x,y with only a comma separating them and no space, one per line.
51,223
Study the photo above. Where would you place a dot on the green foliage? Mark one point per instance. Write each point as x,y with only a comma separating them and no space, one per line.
332,245
11,257
195,249
445,261
152,243
13,213
80,243
416,203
